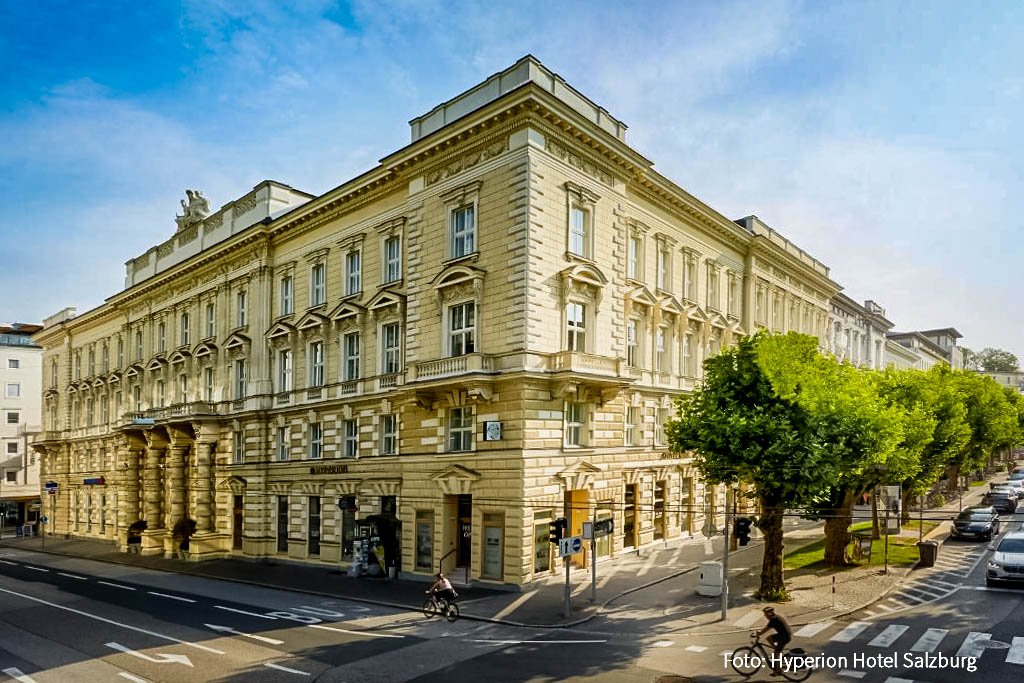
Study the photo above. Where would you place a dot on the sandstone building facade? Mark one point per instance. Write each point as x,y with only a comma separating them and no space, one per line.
482,333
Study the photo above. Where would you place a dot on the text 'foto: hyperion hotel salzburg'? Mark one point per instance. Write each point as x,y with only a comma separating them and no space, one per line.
478,335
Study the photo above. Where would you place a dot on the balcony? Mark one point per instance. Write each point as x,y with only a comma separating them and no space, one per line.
450,367
349,388
590,364
386,382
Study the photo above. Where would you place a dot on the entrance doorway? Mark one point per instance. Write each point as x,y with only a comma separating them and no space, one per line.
629,517
464,542
236,529
577,511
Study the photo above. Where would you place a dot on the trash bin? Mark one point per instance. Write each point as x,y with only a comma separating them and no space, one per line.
929,551
710,579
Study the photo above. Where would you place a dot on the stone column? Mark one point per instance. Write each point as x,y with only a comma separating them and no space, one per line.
129,460
174,478
153,480
202,487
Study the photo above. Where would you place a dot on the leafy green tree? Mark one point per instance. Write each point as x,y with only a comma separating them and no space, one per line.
742,429
992,419
996,360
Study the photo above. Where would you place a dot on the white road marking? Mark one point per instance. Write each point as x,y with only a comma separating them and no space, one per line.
514,605
73,576
944,583
891,679
869,614
973,645
162,658
130,677
929,640
853,674
1016,653
814,629
928,593
696,648
663,643
889,635
228,629
111,621
850,632
17,675
368,634
116,585
172,597
13,564
545,642
649,564
748,619
885,607
38,569
320,611
242,611
286,669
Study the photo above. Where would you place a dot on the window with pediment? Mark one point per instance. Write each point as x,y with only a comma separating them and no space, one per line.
714,290
211,320
316,364
581,207
663,266
462,212
391,348
351,346
690,261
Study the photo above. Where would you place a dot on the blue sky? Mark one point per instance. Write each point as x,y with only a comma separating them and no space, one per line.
883,138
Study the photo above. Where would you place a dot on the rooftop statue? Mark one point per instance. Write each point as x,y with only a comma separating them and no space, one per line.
194,210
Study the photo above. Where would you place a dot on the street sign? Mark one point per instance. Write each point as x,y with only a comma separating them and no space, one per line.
43,520
570,546
52,492
604,527
51,484
588,530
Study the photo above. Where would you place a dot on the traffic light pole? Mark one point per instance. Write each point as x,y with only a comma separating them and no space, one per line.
725,562
593,566
568,605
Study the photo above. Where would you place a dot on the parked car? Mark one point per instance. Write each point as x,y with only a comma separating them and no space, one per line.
1017,474
1002,501
1015,485
1007,563
976,522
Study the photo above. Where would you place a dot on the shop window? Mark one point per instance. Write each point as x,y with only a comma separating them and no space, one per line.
425,540
494,547
313,540
660,492
282,524
541,542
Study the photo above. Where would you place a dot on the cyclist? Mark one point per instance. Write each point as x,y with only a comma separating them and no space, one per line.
442,589
783,634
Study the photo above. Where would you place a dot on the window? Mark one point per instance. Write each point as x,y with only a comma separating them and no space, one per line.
777,311
120,353
353,273
159,398
317,284
660,491
183,388
633,265
575,321
463,231
541,542
461,328
104,410
237,447
88,412
460,429
660,356
633,426
208,384
351,356
286,295
211,321
53,416
734,295
660,418
316,364
161,338
390,349
714,298
78,365
282,443
425,540
53,373
92,362
689,361
13,418
13,363
12,477
138,345
691,276
578,238
117,404
184,329
316,441
351,438
13,390
105,359
240,304
664,264
12,448
240,378
632,345
284,370
574,424
388,434
282,524
392,259
137,398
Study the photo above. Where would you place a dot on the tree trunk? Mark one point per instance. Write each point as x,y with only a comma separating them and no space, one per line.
906,508
773,586
837,532
952,480
876,533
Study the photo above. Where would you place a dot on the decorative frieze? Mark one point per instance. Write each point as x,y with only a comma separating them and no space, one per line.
576,161
466,161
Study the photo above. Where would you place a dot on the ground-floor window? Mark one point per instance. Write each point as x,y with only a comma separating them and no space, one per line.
686,504
313,541
541,541
282,524
88,513
103,513
629,517
425,539
603,544
494,546
348,532
660,489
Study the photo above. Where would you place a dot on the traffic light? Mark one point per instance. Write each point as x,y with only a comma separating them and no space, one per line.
742,530
556,530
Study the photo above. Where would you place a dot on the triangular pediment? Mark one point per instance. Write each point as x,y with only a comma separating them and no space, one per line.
157,363
384,299
580,466
98,382
696,313
134,370
204,348
585,272
51,392
179,356
114,377
456,275
279,329
346,310
73,388
310,320
670,304
236,340
455,480
579,475
642,295
235,484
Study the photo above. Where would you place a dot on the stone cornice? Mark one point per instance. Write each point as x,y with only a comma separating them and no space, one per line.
769,251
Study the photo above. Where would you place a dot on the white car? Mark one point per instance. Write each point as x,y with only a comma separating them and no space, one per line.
1007,562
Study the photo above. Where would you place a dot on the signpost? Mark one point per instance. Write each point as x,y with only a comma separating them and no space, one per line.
566,547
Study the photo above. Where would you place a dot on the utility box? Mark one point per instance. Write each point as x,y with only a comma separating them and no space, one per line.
710,579
929,553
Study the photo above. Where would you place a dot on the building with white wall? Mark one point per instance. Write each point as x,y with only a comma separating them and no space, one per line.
21,371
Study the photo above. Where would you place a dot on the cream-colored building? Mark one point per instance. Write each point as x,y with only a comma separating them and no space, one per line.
924,349
20,391
1011,379
479,335
857,332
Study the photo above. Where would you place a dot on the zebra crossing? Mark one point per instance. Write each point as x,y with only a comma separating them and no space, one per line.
867,636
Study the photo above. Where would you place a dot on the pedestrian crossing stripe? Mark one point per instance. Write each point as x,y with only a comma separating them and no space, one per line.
889,635
929,640
850,632
813,629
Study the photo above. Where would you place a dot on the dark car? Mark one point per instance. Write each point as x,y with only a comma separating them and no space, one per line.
1001,501
976,522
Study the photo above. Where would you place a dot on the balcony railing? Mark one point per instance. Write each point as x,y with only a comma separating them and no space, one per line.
350,388
457,365
591,364
385,382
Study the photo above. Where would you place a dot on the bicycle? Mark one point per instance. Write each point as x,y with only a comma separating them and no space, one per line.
748,660
434,605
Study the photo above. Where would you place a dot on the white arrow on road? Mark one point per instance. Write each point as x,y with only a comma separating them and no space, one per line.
228,629
161,658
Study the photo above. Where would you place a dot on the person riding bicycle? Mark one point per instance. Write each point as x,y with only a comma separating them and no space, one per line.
783,634
442,589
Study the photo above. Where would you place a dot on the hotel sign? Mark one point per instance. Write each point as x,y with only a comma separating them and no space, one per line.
328,469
